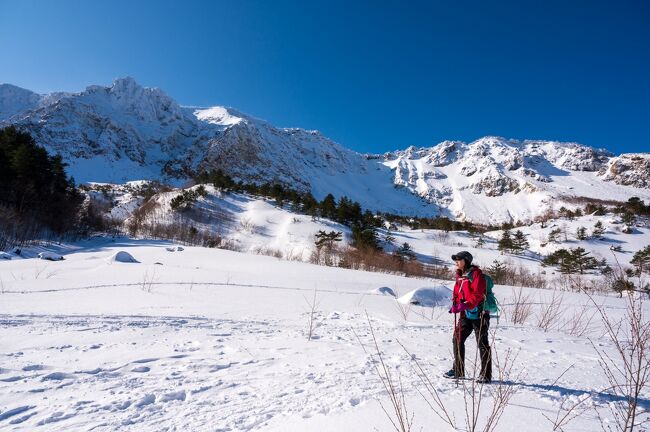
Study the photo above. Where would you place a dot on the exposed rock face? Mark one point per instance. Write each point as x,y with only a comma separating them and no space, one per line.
631,169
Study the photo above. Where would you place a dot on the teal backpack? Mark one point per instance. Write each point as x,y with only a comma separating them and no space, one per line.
490,303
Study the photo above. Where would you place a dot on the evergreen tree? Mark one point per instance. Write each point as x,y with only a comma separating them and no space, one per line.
327,239
581,233
628,218
389,238
278,194
34,184
557,258
498,272
598,230
519,242
571,261
554,235
641,260
309,204
405,253
365,237
480,241
505,242
581,260
328,207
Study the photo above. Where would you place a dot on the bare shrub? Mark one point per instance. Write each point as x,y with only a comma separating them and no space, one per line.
376,260
247,225
474,393
294,255
313,306
521,308
328,256
263,250
148,279
18,230
506,273
399,417
628,370
569,410
578,324
550,312
229,244
403,309
140,215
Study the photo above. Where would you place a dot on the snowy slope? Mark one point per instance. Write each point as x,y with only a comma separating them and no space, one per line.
206,339
126,132
256,225
493,179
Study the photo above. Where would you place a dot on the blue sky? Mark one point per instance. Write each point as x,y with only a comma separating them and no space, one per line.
374,76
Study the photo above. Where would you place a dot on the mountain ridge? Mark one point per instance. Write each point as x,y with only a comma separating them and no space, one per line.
128,132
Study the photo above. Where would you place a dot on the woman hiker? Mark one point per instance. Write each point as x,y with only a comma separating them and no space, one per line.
467,300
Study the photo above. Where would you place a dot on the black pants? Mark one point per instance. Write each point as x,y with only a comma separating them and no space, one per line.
462,331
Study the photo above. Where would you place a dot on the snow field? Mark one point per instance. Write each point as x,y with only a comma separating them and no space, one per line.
204,339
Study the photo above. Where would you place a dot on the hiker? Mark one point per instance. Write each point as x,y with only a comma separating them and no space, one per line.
468,301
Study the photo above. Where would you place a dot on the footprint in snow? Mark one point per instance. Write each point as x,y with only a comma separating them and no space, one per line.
179,395
15,411
147,399
219,367
36,367
57,376
141,369
146,360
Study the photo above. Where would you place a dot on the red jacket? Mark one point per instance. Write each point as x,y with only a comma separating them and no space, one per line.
472,293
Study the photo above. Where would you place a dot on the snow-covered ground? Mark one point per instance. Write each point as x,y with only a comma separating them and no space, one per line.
258,225
207,339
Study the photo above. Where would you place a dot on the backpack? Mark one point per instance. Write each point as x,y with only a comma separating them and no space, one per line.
490,303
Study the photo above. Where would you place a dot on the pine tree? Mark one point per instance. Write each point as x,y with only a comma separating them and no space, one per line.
327,239
598,230
581,233
641,260
519,242
628,218
365,237
328,207
389,238
498,272
557,258
554,235
581,260
505,242
309,204
480,241
405,253
35,184
570,261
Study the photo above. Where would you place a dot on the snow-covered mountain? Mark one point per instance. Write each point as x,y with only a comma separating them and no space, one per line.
127,132
509,180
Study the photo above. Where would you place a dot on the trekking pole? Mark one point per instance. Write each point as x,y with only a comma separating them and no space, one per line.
457,343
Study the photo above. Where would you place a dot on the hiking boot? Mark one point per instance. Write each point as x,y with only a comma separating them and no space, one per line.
451,374
483,380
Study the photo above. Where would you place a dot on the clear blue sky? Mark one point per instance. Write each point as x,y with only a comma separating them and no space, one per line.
375,76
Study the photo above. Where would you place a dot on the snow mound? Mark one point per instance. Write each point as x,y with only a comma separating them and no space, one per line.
175,248
384,291
427,296
5,255
123,257
50,256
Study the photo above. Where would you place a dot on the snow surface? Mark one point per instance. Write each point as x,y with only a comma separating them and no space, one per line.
210,339
259,226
